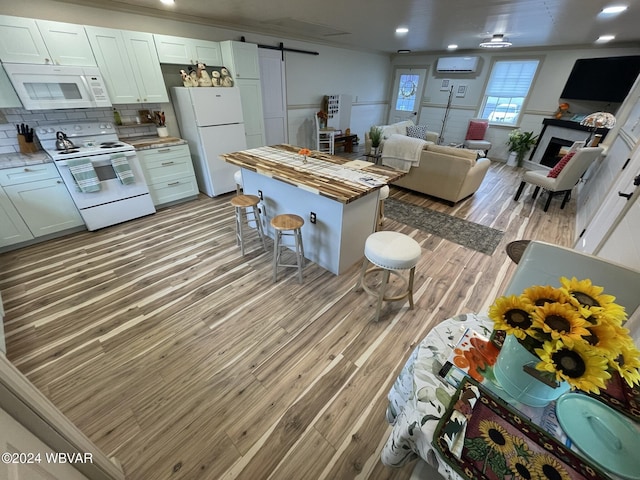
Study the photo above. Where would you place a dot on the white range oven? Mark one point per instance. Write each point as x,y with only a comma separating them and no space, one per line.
119,190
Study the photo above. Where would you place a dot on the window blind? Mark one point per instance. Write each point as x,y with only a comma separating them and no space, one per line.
511,78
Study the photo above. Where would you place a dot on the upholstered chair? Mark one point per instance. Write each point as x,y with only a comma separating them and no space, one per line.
476,131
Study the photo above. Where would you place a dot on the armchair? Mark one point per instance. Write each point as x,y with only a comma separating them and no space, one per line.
565,180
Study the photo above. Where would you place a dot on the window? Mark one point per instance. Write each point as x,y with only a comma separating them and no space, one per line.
407,90
507,90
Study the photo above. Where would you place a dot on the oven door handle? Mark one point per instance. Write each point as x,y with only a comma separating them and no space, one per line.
101,158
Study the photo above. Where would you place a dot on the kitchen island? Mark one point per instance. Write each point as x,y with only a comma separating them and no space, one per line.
342,195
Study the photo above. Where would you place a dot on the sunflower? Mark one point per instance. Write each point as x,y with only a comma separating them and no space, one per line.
495,436
520,468
520,446
578,366
605,339
590,297
539,295
561,321
627,363
545,466
513,315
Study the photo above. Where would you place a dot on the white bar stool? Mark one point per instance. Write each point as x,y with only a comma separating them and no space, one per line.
237,176
242,203
389,252
282,224
382,196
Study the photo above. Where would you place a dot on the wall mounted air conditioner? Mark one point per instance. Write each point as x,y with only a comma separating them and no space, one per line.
457,64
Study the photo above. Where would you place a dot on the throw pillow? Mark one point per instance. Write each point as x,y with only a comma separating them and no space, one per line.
477,129
417,131
555,171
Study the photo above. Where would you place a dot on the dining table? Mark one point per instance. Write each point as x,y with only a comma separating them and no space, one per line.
434,415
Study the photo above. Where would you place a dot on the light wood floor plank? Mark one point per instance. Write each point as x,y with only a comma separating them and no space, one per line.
183,359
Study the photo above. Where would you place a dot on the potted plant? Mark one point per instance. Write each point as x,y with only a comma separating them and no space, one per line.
375,134
520,143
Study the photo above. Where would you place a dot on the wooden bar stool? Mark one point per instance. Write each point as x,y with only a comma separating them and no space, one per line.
243,203
389,252
283,224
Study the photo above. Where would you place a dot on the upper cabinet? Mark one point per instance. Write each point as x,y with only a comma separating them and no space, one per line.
129,64
187,51
8,96
25,40
241,59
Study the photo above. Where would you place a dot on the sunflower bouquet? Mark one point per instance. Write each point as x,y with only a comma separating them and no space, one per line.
575,330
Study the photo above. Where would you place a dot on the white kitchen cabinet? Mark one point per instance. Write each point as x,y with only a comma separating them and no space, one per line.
251,98
12,227
67,43
187,51
41,199
242,60
8,96
169,174
25,40
129,64
21,41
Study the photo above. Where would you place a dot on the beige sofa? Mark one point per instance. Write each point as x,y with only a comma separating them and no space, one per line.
399,128
448,173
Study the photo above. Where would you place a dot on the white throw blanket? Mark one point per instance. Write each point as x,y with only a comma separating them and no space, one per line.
402,152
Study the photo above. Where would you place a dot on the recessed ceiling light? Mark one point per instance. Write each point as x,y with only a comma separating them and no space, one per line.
497,41
168,2
614,9
453,46
402,30
404,51
605,38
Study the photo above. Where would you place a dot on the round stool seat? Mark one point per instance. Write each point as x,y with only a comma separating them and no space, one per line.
392,250
384,193
238,177
245,201
287,221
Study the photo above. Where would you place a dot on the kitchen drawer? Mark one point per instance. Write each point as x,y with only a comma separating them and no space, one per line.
31,173
166,169
174,190
164,153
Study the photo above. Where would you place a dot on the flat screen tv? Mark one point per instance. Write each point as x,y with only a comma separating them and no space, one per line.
606,79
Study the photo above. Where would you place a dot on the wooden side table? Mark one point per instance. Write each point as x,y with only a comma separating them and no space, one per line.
345,141
373,157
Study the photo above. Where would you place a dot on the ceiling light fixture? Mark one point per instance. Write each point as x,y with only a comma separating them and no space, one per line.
168,2
614,9
496,41
453,46
404,51
402,30
605,38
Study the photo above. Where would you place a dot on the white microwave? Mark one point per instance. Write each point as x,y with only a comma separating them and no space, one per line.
47,87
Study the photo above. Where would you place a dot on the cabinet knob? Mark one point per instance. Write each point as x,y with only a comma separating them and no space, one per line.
58,181
27,169
46,60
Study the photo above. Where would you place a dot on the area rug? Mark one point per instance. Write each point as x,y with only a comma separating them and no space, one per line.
468,234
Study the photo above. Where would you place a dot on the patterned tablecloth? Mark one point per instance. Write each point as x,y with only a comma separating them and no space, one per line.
420,397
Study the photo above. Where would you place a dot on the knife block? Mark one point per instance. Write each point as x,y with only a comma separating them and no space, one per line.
26,147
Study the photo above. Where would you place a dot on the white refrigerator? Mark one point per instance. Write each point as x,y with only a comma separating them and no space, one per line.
210,120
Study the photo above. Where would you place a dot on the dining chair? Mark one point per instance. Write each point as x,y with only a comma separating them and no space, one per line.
325,138
568,174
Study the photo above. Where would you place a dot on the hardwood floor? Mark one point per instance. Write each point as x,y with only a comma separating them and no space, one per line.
183,360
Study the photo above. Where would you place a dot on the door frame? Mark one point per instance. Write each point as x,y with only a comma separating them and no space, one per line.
399,70
29,407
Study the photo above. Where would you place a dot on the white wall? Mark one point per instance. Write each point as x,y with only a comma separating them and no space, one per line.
556,64
364,75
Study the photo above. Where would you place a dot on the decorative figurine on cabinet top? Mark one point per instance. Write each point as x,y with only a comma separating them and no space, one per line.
187,81
225,78
204,80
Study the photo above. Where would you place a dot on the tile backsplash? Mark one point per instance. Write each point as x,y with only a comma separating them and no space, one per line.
16,116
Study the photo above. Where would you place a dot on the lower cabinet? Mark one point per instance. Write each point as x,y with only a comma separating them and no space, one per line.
34,202
169,174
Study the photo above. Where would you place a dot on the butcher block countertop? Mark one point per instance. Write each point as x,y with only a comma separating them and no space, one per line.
153,141
327,175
